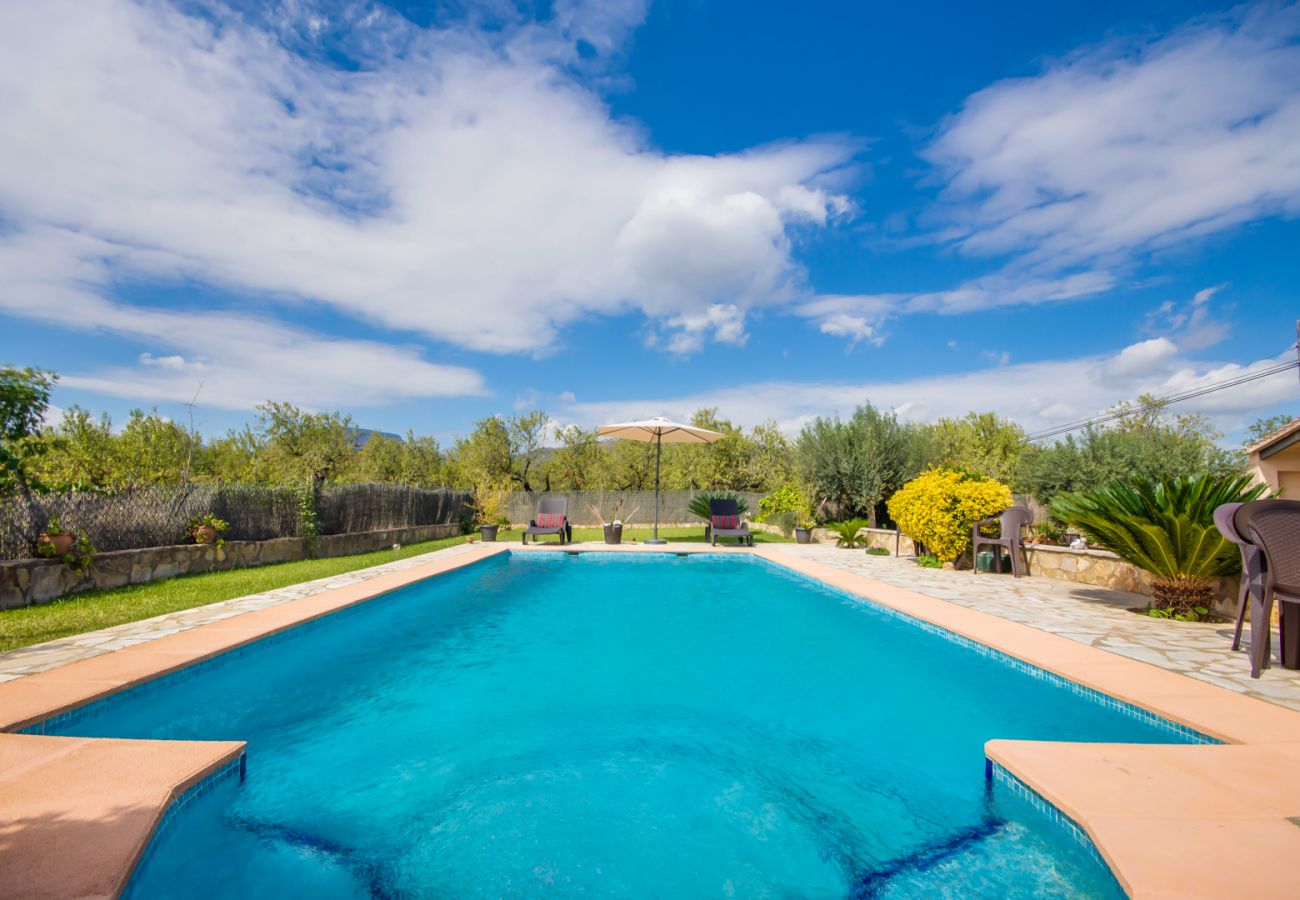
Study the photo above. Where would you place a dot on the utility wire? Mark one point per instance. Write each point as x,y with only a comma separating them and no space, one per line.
1201,391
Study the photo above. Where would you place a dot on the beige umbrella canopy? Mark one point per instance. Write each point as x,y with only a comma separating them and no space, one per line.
661,431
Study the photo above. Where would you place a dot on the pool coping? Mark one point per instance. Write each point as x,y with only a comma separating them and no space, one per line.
1043,767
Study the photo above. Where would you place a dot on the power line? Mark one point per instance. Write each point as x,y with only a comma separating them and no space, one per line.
1192,394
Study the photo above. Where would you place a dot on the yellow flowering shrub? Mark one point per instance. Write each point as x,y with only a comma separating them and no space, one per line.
939,508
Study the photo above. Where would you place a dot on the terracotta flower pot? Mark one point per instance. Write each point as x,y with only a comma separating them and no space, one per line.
204,534
61,542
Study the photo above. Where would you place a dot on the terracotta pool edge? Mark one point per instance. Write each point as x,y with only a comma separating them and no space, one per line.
951,617
105,824
1078,664
1160,873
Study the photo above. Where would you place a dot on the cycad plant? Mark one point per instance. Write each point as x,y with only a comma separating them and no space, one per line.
699,505
846,533
1165,527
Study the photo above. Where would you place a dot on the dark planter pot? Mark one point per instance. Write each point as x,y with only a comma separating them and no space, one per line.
613,534
489,532
62,543
803,535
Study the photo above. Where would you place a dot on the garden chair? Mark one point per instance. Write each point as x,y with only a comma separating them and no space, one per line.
1012,521
724,521
1274,528
552,518
1252,573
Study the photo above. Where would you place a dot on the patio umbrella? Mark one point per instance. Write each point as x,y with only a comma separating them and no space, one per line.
661,431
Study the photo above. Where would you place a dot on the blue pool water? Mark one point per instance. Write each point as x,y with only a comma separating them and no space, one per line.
651,726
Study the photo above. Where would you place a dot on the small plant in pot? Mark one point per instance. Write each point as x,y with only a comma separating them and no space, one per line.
489,509
71,547
613,530
55,540
207,529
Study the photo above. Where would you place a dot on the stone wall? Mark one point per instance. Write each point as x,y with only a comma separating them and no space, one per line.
24,582
1104,569
1099,568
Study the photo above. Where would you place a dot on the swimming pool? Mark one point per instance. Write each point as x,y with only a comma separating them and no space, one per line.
631,725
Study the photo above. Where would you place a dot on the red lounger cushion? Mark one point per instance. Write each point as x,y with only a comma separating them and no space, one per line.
726,522
549,520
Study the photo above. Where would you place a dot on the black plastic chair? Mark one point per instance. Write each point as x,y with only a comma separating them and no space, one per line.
1274,528
1012,521
725,512
552,518
1251,562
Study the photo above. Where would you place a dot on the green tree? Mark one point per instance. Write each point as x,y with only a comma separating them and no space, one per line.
150,449
24,398
80,453
1148,444
577,464
984,443
296,445
854,466
1264,426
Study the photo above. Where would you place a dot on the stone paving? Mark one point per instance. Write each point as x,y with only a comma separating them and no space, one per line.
1090,615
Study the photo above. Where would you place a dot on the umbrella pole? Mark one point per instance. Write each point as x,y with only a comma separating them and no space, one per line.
659,445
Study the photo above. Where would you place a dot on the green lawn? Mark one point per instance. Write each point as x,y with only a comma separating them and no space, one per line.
102,609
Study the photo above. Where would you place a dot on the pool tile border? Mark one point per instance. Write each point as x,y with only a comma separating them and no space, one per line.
1183,733
235,768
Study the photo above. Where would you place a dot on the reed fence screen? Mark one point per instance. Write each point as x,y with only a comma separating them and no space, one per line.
155,517
631,507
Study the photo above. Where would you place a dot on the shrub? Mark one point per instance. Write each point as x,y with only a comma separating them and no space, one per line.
786,520
699,505
1166,527
938,508
846,533
929,562
490,503
877,551
787,498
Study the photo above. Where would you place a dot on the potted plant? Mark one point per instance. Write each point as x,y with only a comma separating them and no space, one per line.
207,529
55,540
65,545
803,529
613,530
489,509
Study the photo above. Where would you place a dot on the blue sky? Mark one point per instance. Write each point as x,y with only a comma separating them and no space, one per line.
422,214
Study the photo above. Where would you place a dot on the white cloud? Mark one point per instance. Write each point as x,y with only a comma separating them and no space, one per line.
1037,395
238,358
725,322
1193,325
462,185
1122,148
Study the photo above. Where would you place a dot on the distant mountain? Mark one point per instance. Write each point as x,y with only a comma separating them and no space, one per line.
362,436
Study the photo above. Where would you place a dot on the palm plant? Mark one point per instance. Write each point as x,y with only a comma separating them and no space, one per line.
846,533
699,505
1165,527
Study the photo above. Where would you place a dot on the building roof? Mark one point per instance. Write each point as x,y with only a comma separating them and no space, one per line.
1286,435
